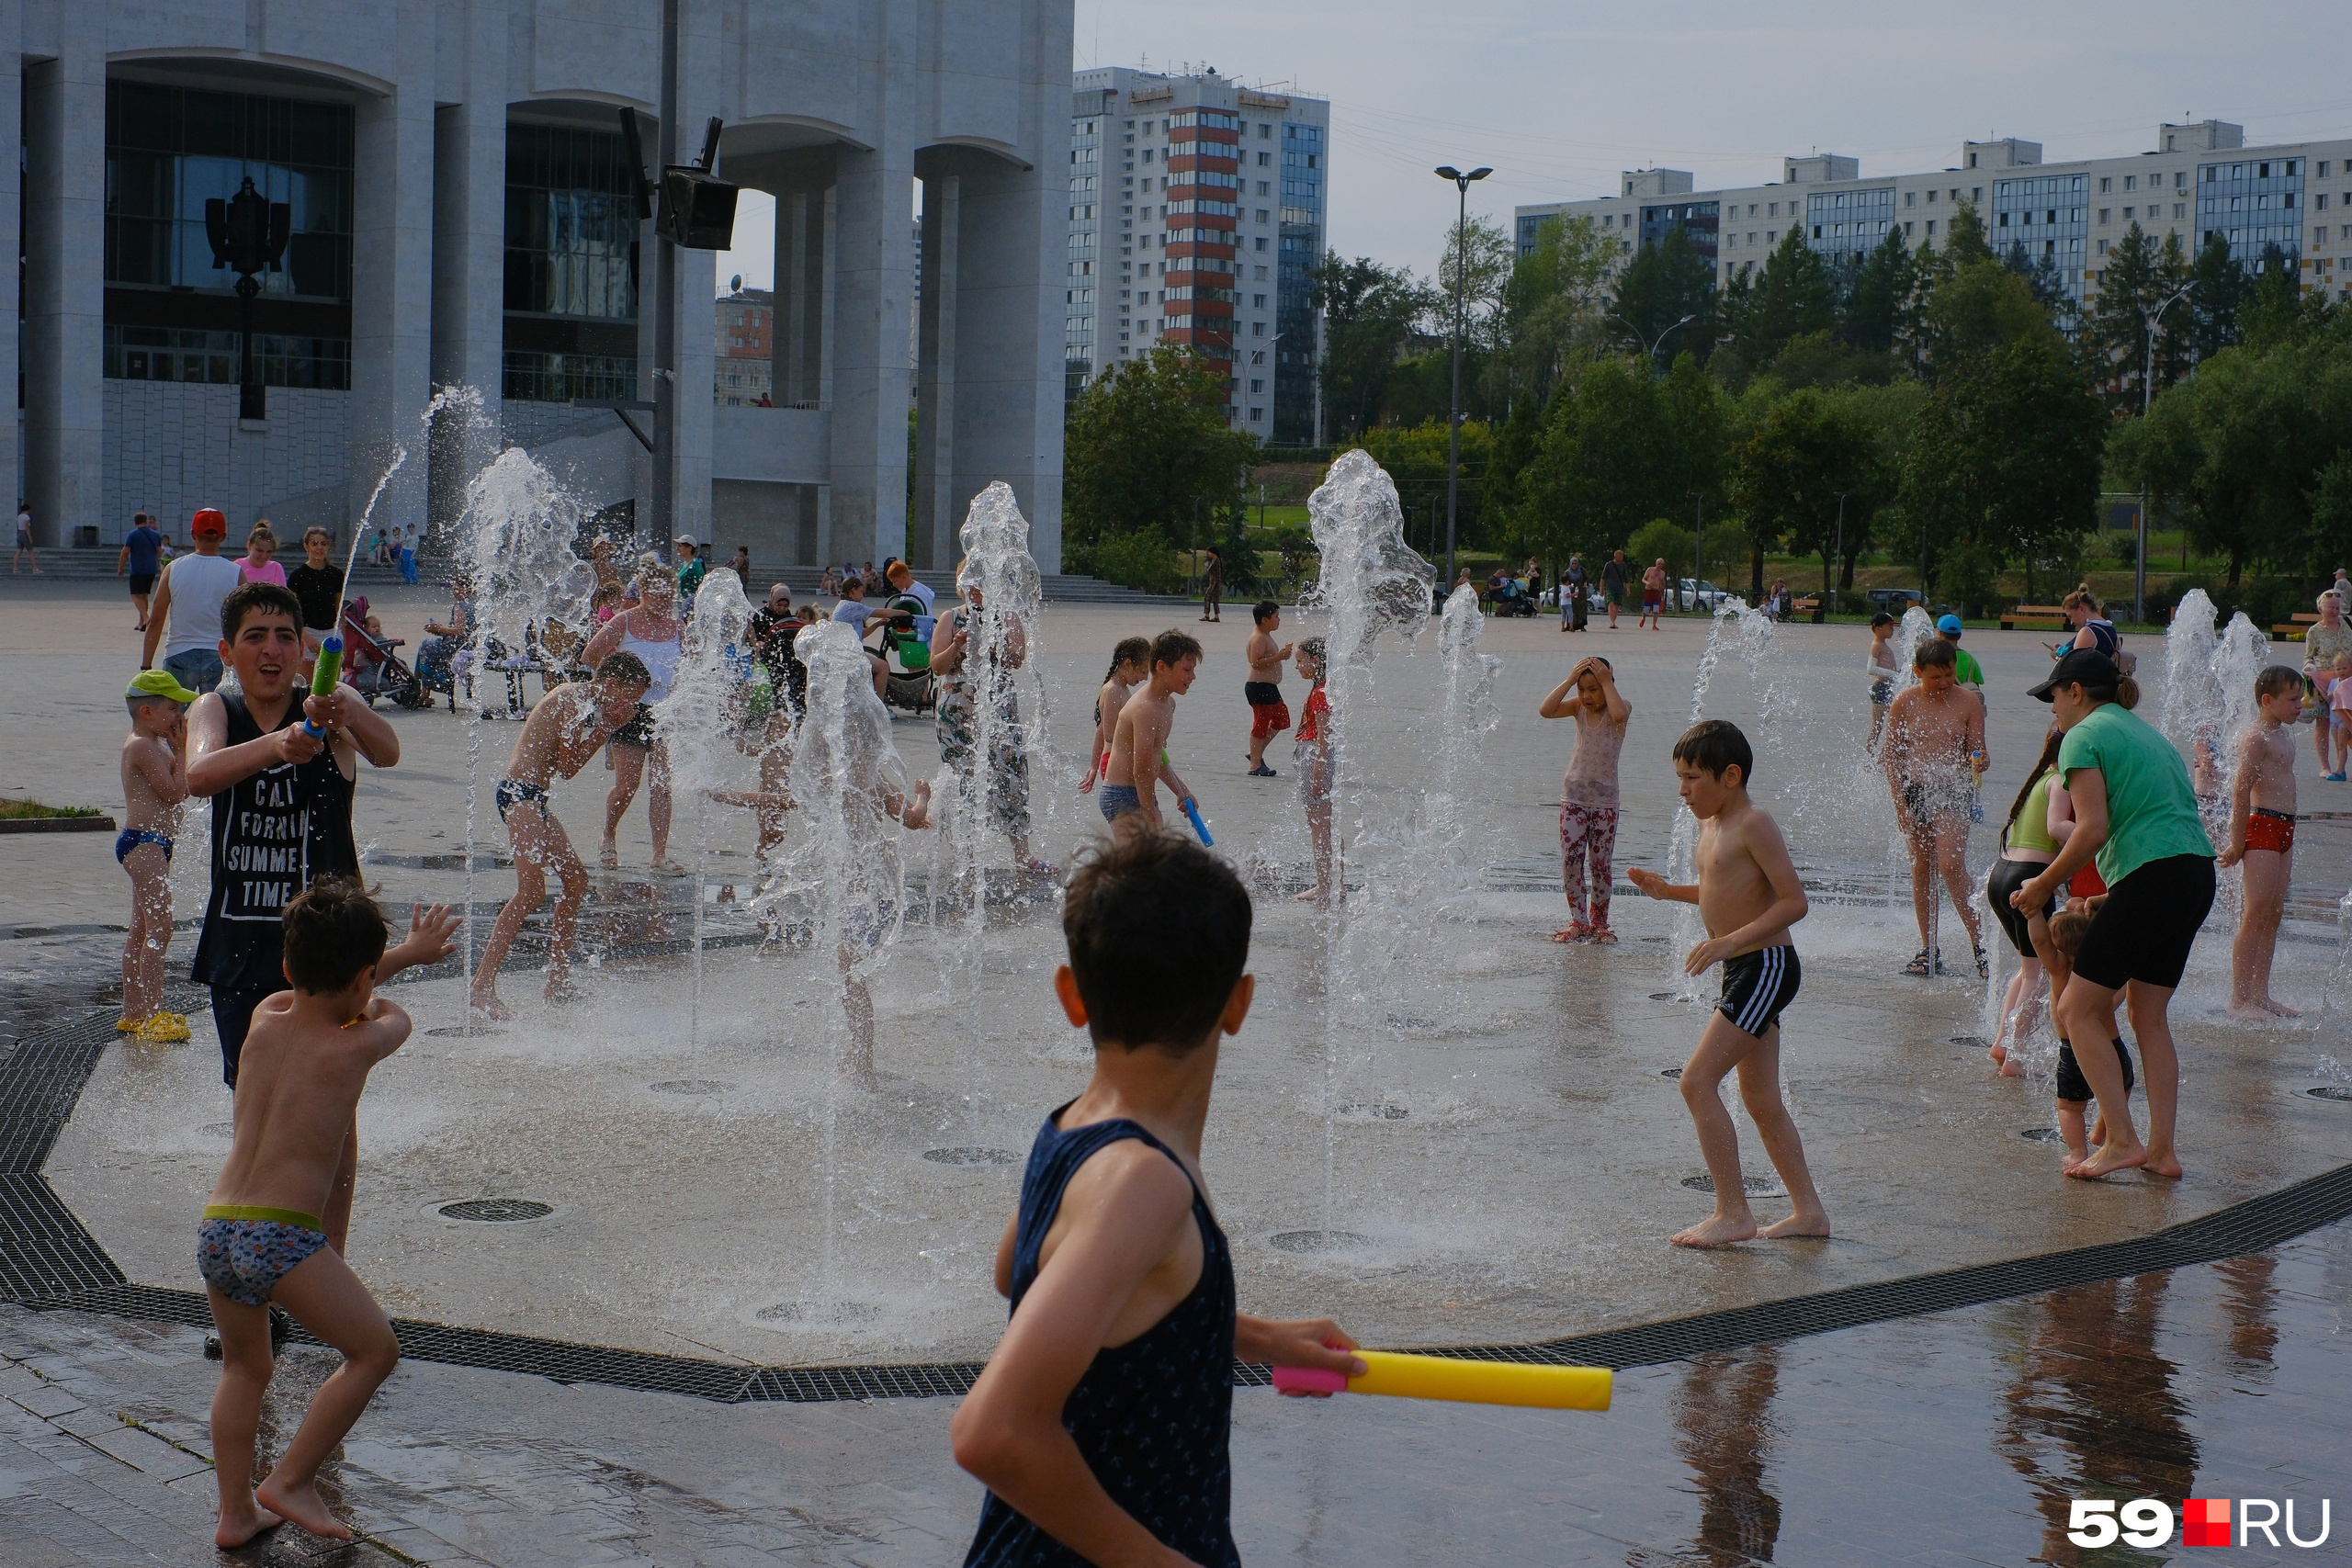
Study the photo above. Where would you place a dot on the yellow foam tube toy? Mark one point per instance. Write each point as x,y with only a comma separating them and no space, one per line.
1401,1375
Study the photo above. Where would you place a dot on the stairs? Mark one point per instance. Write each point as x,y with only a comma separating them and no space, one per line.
84,564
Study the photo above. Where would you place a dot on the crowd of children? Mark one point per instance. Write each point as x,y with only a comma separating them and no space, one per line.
1100,1423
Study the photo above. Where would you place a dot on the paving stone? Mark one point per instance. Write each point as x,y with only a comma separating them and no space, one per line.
45,1400
147,1453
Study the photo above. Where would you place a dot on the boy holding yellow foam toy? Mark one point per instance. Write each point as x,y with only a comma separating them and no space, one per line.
1101,1424
1748,893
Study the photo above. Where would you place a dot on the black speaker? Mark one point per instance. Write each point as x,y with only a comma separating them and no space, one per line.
698,209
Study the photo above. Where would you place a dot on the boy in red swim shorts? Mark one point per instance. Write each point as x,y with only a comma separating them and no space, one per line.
1269,714
2262,837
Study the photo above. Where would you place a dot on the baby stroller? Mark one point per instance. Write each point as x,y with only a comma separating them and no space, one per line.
906,658
372,667
1512,598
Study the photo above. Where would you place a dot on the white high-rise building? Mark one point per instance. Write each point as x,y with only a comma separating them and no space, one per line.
2200,179
1196,216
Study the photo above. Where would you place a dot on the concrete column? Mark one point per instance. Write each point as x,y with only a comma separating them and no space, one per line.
12,84
874,264
468,256
64,343
802,244
1007,422
392,278
937,516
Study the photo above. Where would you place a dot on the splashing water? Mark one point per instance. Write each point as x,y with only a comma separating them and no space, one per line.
2209,705
1371,582
713,666
1746,633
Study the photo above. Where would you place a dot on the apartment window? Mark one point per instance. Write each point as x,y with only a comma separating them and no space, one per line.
1910,199
1257,415
1262,215
1147,154
1262,241
1265,187
2104,213
1975,194
1265,133
1258,301
2127,215
1932,228
1931,198
2320,202
1265,160
2102,247
1256,329
1906,226
2131,182
2106,184
1773,210
2322,168
1256,386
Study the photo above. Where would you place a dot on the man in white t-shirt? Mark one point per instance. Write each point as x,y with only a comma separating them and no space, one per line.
188,596
903,581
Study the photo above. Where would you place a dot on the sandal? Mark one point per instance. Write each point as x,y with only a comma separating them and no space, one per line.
1919,965
1602,936
1575,931
1984,967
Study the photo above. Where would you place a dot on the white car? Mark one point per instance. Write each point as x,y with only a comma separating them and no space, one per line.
1698,594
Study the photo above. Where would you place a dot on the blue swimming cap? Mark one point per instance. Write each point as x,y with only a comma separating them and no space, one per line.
1949,624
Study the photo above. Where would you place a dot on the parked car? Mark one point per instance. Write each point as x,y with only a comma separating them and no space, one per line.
1698,594
1894,600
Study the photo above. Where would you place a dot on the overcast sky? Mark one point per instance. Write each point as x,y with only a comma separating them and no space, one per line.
1559,96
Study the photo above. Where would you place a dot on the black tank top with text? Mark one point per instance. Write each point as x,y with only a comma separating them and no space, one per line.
273,835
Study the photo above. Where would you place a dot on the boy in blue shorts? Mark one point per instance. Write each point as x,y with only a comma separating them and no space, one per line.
306,1058
1748,893
1101,1425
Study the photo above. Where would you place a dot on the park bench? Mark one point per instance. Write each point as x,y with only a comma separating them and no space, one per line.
2292,629
2041,618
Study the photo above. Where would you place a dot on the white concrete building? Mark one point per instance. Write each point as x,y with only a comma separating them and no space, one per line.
461,217
1196,216
2200,178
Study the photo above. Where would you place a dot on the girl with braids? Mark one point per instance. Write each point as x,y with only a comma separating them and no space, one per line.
1130,667
2036,829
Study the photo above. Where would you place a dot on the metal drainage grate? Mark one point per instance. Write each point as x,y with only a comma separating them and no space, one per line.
464,1031
971,1156
1317,1241
1754,1186
1412,1023
2043,1135
820,1314
2330,1091
1976,1041
1666,996
689,1086
492,1210
1375,1111
1669,1072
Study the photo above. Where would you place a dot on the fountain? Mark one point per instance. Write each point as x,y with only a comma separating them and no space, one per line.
2207,708
713,667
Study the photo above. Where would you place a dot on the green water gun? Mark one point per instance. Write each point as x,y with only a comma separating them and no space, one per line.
328,671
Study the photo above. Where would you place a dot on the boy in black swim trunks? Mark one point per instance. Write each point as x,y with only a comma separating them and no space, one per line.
1101,1425
1748,893
307,1055
564,730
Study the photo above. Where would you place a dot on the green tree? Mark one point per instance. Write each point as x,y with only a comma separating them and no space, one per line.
1604,466
1792,296
1661,538
1552,310
1147,450
1369,315
1415,458
1668,289
1803,476
2220,281
1880,299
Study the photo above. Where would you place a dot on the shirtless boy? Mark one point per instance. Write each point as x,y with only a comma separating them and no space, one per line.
1654,596
306,1060
2262,836
1130,785
1935,735
1269,714
566,729
1130,668
154,781
1748,895
1882,674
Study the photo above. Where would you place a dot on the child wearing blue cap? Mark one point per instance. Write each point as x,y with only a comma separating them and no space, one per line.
154,783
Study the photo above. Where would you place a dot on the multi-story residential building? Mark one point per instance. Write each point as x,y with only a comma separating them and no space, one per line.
2200,179
463,215
1197,217
744,348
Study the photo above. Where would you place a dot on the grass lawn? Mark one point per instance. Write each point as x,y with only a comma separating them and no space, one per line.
23,810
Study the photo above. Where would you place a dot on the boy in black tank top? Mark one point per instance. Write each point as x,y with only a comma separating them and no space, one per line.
1101,1424
281,807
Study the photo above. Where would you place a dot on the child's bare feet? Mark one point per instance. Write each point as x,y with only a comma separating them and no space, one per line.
1314,895
2106,1159
487,1004
2251,1012
1717,1230
301,1506
608,855
239,1525
1813,1224
2010,1068
1998,1052
2164,1163
2278,1008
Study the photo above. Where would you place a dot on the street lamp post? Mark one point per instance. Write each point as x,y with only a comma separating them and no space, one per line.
1454,420
1649,346
2147,396
248,233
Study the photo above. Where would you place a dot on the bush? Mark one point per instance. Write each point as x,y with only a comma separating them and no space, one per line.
1659,537
1141,560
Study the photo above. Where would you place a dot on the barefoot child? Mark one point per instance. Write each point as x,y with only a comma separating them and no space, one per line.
2067,927
2335,690
2030,840
1314,767
1130,668
154,781
1748,893
566,729
1589,796
1882,674
1131,778
306,1059
1653,597
1101,1425
2262,835
1268,716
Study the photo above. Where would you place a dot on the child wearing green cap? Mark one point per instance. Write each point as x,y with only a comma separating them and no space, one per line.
154,783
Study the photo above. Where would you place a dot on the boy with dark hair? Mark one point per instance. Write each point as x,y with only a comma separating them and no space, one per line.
1101,1425
1269,714
1748,893
2262,837
2067,929
1880,662
154,783
307,1060
1139,739
566,727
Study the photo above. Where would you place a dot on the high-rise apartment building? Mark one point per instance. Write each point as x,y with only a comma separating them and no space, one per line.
1196,218
2200,179
742,348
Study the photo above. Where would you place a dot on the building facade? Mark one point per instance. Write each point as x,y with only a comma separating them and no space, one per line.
742,349
1196,218
2201,179
461,215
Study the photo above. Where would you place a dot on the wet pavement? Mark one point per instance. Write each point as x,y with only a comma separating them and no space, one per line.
1957,1439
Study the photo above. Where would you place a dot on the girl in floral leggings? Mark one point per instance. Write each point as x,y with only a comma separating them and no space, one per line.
1589,796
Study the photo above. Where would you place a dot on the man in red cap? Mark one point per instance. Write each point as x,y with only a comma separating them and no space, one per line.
189,595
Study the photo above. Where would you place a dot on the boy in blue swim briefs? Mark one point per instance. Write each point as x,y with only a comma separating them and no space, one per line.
307,1057
154,783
